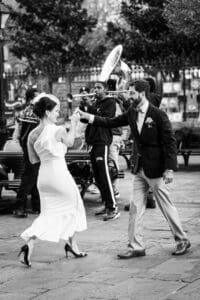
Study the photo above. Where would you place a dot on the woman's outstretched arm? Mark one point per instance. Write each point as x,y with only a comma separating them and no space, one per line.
68,137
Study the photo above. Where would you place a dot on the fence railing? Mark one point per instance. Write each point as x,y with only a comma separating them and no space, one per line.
176,78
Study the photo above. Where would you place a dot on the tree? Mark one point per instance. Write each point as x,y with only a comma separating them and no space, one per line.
147,35
184,16
48,33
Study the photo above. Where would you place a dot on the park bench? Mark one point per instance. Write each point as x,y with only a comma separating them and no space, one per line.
12,161
188,143
78,164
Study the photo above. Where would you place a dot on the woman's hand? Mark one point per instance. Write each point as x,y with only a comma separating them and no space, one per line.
75,118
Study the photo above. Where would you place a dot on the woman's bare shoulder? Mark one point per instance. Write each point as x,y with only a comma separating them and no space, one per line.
35,133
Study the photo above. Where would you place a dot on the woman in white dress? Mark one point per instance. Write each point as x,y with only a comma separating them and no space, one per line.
62,211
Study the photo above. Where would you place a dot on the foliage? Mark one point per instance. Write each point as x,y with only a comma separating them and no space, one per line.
147,34
184,16
48,33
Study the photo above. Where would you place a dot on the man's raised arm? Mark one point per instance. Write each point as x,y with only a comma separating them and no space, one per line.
121,120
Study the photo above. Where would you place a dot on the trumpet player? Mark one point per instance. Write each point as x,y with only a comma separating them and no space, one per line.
100,139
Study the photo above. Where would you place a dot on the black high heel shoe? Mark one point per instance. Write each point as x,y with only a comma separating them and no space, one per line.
25,251
68,248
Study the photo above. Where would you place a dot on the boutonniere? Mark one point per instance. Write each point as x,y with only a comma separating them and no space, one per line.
149,122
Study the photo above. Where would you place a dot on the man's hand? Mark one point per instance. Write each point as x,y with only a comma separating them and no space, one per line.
168,176
84,115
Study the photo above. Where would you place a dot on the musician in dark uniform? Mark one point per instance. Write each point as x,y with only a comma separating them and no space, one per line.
100,139
28,121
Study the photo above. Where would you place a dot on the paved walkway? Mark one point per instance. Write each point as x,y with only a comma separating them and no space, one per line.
157,276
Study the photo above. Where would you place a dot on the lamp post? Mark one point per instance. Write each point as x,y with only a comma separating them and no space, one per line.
4,14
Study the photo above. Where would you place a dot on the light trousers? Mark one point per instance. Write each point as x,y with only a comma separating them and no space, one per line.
114,155
114,149
161,191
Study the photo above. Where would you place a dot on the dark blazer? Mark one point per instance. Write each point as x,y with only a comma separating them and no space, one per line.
154,149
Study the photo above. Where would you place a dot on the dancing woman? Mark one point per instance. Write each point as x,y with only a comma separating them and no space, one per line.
62,211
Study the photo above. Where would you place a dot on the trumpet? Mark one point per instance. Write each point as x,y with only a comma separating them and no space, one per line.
94,94
84,95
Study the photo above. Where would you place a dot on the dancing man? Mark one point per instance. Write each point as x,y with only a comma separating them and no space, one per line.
154,159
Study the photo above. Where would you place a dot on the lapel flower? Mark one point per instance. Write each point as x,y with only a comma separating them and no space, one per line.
149,122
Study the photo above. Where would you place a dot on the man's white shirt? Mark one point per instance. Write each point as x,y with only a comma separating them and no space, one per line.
142,110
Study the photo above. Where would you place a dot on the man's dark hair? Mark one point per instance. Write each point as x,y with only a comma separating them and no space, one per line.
30,94
84,89
140,86
69,96
104,83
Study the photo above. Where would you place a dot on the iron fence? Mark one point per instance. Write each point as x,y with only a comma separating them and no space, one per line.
178,80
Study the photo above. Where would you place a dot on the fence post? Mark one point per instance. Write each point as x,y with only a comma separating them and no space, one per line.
184,97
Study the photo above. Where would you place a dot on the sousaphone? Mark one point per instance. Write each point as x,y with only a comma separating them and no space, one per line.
114,65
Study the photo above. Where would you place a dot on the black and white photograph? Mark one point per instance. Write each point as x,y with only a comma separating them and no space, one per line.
100,149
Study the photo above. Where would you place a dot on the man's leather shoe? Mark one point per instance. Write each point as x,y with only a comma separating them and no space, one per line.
131,253
181,248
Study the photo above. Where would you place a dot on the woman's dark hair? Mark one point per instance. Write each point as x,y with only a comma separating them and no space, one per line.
42,105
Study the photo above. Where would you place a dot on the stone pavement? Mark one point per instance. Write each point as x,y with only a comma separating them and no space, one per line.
157,276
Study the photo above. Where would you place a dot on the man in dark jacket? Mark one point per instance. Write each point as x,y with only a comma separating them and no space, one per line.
155,99
100,139
28,121
154,159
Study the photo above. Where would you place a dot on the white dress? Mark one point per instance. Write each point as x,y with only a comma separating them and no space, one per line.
62,211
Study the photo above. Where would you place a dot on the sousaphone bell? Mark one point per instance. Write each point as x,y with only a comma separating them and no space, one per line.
114,65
